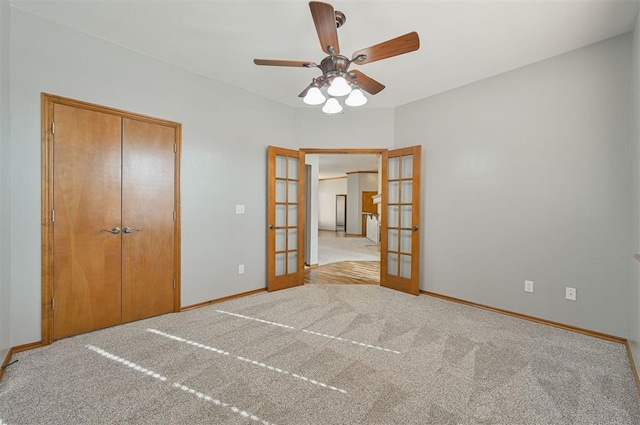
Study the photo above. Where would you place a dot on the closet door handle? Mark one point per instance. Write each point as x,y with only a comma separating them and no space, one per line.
128,230
115,230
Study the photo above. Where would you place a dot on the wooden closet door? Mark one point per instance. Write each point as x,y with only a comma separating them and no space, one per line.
86,205
148,187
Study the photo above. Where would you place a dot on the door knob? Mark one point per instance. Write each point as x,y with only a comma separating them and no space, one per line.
128,230
415,229
115,230
271,226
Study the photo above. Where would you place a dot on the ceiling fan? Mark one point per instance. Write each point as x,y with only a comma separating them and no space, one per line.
335,67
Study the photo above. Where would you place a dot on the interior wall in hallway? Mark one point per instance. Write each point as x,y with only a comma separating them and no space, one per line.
327,191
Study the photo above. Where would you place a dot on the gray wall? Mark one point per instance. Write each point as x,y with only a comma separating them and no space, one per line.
355,128
526,173
634,274
223,158
5,193
526,177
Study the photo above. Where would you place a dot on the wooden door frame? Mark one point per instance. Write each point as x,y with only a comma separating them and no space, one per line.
47,103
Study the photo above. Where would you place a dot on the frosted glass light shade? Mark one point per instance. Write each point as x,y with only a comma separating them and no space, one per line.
314,97
339,87
356,98
332,106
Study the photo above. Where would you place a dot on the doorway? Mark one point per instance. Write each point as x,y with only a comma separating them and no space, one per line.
110,214
341,213
399,202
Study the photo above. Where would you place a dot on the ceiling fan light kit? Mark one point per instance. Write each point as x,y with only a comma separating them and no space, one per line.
314,97
356,98
339,87
332,106
335,76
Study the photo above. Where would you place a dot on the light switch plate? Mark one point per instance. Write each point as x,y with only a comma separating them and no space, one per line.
528,286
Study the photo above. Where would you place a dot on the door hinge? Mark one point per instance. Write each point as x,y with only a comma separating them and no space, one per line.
175,147
53,216
174,283
53,128
174,216
53,303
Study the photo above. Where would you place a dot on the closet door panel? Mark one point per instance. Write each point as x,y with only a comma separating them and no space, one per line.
86,201
148,189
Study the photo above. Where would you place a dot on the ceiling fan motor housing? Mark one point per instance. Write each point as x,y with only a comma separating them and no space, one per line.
334,64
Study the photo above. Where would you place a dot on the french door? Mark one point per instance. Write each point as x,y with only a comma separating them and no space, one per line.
285,218
111,249
400,229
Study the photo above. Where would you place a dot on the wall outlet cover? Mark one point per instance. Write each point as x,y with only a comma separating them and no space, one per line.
241,269
570,293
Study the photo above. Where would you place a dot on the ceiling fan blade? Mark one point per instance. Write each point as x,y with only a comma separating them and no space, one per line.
276,62
394,47
325,19
366,83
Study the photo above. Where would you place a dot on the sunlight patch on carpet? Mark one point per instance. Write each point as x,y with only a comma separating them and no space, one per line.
253,362
257,320
353,342
182,387
362,344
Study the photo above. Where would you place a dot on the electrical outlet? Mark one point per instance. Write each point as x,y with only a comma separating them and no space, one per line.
241,269
570,293
528,286
239,209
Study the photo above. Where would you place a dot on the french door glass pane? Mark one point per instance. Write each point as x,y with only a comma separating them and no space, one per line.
405,266
281,191
293,168
293,192
407,167
281,216
406,211
394,195
405,241
392,244
407,191
392,264
393,216
394,168
281,166
292,240
281,241
292,262
293,215
280,264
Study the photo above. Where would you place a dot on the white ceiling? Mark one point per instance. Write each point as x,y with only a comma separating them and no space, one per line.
337,165
461,41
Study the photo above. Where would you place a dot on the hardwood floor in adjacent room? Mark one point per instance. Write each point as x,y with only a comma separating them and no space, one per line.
350,272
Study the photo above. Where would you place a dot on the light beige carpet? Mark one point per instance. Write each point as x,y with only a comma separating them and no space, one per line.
324,354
